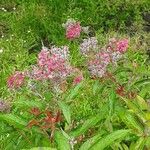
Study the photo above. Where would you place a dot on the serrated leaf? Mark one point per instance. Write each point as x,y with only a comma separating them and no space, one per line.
62,142
66,111
110,139
135,108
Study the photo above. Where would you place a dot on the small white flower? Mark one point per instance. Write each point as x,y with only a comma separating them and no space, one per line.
4,9
85,29
1,50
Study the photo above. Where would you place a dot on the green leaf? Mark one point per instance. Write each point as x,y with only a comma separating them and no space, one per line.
132,121
28,103
140,143
96,86
13,120
90,142
142,82
62,141
142,103
66,111
110,139
86,125
17,122
112,100
135,108
41,148
74,91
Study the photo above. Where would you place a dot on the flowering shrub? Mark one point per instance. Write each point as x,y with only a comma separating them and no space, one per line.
56,90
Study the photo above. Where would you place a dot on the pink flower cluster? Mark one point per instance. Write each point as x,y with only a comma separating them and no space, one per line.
73,29
96,68
78,79
16,80
88,45
111,54
118,45
122,45
62,52
50,66
53,64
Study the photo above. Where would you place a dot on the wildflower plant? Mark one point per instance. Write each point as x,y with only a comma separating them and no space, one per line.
75,107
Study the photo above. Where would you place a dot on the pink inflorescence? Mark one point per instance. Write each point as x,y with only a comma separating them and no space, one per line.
122,45
118,45
78,79
110,54
96,68
73,29
50,66
62,52
88,45
16,80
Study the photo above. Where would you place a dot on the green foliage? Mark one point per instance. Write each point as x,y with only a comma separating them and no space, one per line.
93,115
110,139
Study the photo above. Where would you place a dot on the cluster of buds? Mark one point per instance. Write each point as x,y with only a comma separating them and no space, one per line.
88,45
16,80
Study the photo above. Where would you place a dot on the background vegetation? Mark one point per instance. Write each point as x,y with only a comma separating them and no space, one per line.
94,115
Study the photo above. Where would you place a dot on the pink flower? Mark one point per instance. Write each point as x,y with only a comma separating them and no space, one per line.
62,52
43,57
104,57
16,80
97,68
73,31
88,45
122,45
52,65
77,79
